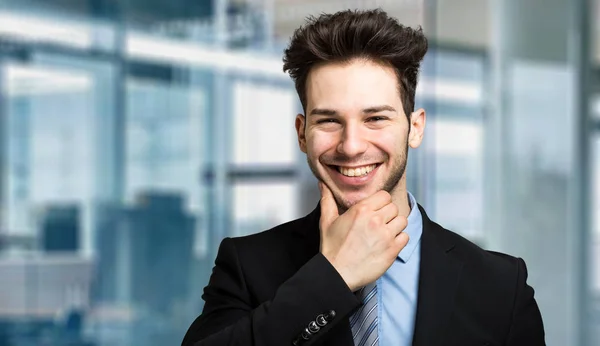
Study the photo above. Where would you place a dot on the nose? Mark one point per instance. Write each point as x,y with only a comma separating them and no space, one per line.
353,142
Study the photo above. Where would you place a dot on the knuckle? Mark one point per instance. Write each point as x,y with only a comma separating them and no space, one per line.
387,195
390,253
403,239
400,222
361,209
391,233
375,221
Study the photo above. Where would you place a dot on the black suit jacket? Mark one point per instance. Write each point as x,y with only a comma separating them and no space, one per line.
266,288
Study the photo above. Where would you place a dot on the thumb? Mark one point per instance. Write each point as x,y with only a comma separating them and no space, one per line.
329,209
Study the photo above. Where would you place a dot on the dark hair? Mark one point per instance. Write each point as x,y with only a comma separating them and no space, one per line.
348,35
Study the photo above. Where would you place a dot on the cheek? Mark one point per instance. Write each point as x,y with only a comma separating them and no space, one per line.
319,143
389,142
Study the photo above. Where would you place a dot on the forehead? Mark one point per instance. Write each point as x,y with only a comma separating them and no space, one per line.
354,85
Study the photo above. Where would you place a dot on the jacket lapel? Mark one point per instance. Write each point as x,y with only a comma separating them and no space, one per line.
307,239
439,274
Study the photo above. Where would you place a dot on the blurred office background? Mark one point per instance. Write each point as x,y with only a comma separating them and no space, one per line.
136,134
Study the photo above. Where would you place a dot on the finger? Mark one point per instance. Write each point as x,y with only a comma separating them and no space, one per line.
378,200
329,209
400,241
397,225
388,212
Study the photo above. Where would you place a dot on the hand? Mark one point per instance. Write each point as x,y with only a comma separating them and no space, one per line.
363,242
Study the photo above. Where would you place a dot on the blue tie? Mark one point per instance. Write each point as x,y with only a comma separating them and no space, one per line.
364,321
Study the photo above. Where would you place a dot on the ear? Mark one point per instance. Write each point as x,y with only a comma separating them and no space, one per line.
300,130
417,128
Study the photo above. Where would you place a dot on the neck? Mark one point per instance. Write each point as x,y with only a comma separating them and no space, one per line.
400,198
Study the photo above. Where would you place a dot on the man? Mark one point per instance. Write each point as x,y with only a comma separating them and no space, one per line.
367,266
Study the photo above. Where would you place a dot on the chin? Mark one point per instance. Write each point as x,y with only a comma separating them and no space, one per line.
347,199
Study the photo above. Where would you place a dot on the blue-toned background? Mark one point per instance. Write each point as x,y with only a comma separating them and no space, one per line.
136,134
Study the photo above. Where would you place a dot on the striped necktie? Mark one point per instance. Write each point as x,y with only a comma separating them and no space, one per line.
364,321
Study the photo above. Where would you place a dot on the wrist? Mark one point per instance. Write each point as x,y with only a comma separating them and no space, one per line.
346,275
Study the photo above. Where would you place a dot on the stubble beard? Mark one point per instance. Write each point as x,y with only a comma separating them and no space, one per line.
389,185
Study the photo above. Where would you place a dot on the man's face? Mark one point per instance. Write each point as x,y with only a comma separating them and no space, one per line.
355,132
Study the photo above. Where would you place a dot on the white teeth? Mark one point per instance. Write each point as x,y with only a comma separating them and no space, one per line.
356,172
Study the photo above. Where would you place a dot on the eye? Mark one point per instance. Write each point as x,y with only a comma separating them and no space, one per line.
377,118
325,121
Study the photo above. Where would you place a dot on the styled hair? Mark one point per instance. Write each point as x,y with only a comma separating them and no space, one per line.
348,35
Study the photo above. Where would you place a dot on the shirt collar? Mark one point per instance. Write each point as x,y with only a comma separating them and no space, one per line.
414,229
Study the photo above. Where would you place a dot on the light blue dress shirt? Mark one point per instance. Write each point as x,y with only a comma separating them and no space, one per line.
397,289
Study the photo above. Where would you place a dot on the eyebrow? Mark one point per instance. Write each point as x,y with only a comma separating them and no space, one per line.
323,111
369,110
377,109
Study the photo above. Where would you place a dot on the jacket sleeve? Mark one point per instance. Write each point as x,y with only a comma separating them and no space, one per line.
228,317
527,327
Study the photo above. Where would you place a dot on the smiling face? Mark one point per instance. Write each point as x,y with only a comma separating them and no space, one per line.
355,133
